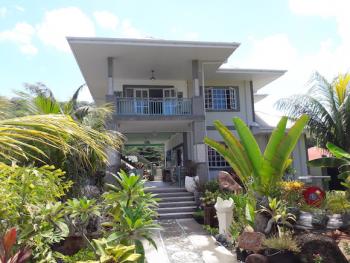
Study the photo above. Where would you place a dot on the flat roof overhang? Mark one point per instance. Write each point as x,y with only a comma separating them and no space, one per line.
260,77
135,58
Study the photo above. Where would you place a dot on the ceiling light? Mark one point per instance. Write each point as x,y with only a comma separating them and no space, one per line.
152,75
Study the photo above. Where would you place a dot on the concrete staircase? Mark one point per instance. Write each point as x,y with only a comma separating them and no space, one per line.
174,203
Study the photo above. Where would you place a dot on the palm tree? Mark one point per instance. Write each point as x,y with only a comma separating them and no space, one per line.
82,171
28,137
328,106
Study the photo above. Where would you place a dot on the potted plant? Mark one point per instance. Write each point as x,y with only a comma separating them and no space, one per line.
281,249
208,202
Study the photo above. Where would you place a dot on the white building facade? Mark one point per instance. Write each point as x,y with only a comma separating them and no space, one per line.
170,92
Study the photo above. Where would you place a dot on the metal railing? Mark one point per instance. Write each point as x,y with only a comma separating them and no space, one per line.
153,106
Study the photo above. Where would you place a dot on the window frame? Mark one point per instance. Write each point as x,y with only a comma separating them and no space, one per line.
217,159
234,96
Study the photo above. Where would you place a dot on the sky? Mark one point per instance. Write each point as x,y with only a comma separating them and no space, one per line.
301,36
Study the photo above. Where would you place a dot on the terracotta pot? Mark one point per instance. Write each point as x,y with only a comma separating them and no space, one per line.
210,216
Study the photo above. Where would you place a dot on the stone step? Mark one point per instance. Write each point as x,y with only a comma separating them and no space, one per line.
157,190
177,204
181,209
173,194
176,199
175,215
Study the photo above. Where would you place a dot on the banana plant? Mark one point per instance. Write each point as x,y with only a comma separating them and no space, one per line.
262,171
340,160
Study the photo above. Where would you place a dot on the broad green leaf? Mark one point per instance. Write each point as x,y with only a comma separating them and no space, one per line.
337,151
249,144
235,147
327,162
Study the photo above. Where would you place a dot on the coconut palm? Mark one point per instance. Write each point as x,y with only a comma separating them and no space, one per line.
328,106
27,137
82,171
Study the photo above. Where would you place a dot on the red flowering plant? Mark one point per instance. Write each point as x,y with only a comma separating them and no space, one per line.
7,243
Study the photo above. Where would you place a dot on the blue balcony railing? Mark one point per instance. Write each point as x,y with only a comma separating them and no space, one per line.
154,106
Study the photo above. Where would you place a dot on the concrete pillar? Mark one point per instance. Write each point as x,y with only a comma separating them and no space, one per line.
251,88
195,78
110,67
200,150
114,157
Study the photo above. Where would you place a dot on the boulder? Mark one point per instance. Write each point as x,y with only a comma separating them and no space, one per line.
326,247
256,258
226,182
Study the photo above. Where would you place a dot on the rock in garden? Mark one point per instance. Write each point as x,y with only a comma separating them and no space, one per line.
226,182
251,241
326,247
256,258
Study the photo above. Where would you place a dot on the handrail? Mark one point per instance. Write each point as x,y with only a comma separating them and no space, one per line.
154,106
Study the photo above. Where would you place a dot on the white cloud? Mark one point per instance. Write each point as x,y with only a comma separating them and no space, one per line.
128,30
60,23
279,52
21,35
106,20
338,9
19,8
3,12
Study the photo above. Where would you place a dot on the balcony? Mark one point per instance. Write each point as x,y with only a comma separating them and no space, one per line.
153,107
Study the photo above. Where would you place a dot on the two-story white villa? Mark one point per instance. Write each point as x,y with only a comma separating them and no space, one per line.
170,92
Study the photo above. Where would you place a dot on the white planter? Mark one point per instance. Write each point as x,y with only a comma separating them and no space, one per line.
224,211
190,183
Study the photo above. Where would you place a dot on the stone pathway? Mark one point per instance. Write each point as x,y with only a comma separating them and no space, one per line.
184,240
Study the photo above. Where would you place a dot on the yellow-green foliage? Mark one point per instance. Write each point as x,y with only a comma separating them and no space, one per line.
337,202
283,243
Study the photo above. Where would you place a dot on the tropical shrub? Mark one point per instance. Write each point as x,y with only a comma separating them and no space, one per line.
80,211
22,187
337,202
44,227
292,192
261,172
209,198
279,216
131,211
113,254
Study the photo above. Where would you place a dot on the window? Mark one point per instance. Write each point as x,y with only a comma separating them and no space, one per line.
221,98
215,159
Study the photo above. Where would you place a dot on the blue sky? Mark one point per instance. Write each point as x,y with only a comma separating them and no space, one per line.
298,35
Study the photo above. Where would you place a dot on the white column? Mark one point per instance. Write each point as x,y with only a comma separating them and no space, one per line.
195,78
110,66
